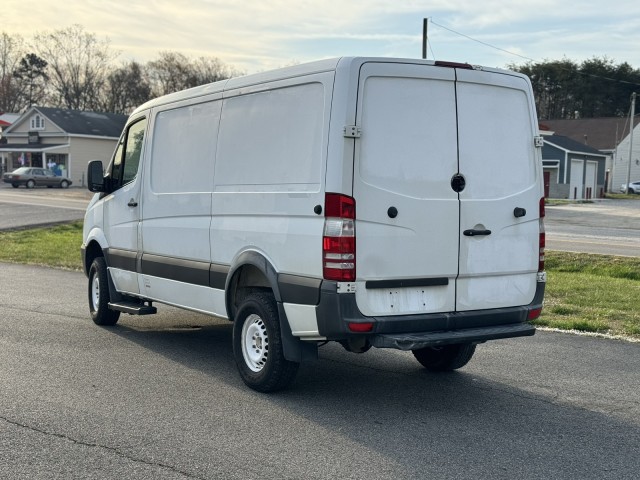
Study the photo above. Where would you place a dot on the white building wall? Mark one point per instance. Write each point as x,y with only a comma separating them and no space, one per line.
621,161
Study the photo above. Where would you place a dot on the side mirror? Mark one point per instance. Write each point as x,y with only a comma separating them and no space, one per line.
95,176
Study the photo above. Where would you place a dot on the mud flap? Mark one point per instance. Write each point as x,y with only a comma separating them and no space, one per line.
294,349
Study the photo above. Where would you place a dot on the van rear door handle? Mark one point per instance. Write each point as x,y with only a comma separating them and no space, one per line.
132,203
475,233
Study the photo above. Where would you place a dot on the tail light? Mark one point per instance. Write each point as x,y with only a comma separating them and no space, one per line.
535,313
542,240
339,238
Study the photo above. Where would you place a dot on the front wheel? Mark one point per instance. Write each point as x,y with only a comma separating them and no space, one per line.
445,358
257,345
101,314
64,184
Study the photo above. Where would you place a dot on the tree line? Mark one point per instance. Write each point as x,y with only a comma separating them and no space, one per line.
73,69
565,89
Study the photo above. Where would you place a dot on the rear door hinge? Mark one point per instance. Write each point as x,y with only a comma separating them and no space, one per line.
352,131
538,141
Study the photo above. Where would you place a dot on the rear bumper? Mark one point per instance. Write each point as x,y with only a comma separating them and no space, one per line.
408,332
414,341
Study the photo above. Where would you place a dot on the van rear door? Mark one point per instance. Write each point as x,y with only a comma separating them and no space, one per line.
407,214
445,158
498,159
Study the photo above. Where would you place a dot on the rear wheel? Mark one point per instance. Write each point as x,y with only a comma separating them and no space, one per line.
257,345
30,184
64,184
15,185
445,358
101,314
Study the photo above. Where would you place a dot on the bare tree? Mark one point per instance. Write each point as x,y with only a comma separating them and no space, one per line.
126,88
11,51
174,71
78,66
212,69
170,72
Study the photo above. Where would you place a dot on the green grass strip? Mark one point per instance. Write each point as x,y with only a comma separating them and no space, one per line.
57,246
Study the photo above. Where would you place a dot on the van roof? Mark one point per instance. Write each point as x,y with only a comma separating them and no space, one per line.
243,81
310,68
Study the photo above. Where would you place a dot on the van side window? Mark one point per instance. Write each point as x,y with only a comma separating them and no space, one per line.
127,157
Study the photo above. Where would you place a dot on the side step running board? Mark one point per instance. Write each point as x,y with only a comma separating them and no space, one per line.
133,308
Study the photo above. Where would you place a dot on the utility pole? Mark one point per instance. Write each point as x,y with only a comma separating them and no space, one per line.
633,112
425,28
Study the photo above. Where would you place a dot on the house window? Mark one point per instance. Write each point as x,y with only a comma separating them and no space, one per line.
37,122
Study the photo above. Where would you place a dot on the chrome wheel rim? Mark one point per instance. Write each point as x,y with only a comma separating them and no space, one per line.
255,343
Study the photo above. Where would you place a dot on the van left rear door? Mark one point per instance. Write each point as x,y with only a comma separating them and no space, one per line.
122,209
407,213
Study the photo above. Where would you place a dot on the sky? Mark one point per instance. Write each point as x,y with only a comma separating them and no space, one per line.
258,35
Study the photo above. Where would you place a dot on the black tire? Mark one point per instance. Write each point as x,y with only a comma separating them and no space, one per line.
15,185
98,292
445,358
64,184
257,345
30,184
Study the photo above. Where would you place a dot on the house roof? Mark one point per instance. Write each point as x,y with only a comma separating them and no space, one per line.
600,133
86,123
75,122
571,145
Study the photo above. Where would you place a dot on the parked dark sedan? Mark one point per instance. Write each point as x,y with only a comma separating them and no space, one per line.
35,177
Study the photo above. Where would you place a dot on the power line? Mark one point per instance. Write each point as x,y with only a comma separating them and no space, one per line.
531,59
481,42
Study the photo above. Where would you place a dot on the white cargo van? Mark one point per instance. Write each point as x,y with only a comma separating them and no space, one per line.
370,201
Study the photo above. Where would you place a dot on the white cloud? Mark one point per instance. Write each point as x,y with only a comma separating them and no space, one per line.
257,35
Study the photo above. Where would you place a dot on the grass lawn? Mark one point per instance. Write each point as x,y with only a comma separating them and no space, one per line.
51,246
593,293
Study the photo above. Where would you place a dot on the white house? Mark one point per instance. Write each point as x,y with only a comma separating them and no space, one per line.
621,160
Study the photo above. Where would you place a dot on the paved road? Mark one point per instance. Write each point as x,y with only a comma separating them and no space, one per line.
606,227
159,397
20,208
